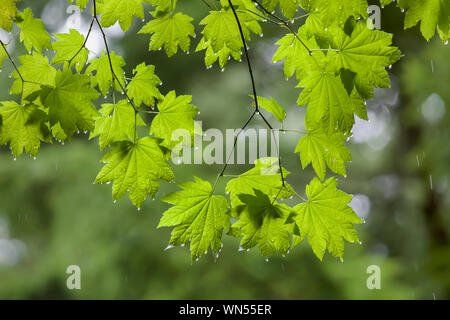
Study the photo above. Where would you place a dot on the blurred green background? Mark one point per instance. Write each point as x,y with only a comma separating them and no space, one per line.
52,216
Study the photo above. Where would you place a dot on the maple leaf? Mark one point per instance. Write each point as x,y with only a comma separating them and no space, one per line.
326,219
33,33
270,105
143,87
265,176
103,76
328,101
169,31
135,168
198,216
222,55
24,127
174,113
119,10
68,47
322,150
37,71
118,121
8,11
221,31
69,102
163,5
288,7
365,52
432,15
262,223
330,12
296,57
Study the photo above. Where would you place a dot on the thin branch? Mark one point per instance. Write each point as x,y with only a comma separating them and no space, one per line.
250,70
285,24
84,44
114,76
10,58
13,63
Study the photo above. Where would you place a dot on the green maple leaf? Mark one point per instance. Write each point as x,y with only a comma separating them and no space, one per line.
366,52
198,217
330,12
69,102
262,223
33,33
326,219
80,3
135,168
221,32
222,55
328,101
288,7
163,5
169,32
103,76
117,123
265,176
24,127
174,113
120,10
37,71
322,150
296,57
8,11
143,87
432,15
270,105
68,47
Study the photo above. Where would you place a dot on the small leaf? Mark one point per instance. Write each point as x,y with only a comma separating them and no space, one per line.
117,123
326,219
33,33
135,168
198,217
262,223
24,127
70,46
169,31
174,113
143,87
270,105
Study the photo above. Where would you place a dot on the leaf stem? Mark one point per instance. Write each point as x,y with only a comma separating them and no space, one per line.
285,24
250,70
114,76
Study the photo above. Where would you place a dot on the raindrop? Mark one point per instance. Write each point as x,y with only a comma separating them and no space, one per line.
169,247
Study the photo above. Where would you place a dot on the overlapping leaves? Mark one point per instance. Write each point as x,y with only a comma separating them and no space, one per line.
337,60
